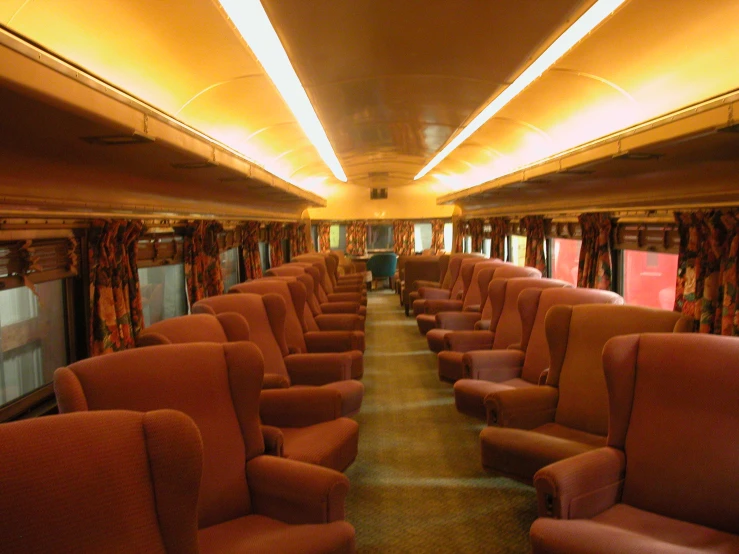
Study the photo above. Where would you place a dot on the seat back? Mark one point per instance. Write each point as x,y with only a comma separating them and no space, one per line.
501,270
265,315
419,268
184,329
476,278
99,483
217,385
457,290
318,261
673,409
576,336
382,264
533,305
505,319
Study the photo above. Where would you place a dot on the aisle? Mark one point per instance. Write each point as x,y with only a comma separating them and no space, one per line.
417,484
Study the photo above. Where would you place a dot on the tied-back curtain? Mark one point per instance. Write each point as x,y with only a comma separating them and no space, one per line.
276,234
475,228
498,234
707,287
404,237
202,260
324,237
250,249
594,269
462,231
356,238
116,313
534,226
437,235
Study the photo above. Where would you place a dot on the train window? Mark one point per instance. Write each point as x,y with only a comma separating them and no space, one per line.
264,255
33,338
230,267
565,259
314,237
486,245
379,237
649,278
162,292
517,254
338,237
448,237
422,232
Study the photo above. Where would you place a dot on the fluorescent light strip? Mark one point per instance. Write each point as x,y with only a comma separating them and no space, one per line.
252,22
586,23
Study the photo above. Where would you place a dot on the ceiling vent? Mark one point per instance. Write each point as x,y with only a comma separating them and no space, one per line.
378,194
638,156
118,140
379,174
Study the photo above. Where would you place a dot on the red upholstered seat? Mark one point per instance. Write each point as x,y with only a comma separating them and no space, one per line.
114,482
332,302
489,371
535,426
504,329
242,490
666,480
334,291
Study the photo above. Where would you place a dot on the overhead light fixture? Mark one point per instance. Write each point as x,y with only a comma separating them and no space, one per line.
252,22
586,23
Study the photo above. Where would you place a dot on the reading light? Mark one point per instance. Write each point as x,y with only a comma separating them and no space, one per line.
587,22
252,22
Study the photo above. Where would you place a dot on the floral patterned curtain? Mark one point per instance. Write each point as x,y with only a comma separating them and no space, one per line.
461,232
498,234
534,227
275,235
707,288
594,269
437,235
475,229
356,238
295,233
202,260
250,249
324,237
404,237
116,313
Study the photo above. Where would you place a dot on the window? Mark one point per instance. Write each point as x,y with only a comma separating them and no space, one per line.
380,237
517,255
649,278
565,259
162,292
486,246
314,237
264,255
422,232
338,237
448,237
230,268
33,338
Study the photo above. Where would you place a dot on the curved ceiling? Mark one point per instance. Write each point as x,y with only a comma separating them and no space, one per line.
392,81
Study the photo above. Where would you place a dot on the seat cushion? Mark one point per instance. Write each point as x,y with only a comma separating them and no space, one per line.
263,535
624,529
331,444
469,394
518,453
426,322
435,339
451,365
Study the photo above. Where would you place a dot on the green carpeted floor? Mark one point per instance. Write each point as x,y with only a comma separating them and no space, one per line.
417,484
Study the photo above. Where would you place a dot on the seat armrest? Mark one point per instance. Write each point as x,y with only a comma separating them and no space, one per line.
582,486
464,341
318,369
334,341
435,306
525,408
349,288
345,297
424,284
273,440
433,294
340,307
483,325
457,321
295,492
275,381
493,365
339,322
299,407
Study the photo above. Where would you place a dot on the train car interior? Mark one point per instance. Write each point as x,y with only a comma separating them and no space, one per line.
422,276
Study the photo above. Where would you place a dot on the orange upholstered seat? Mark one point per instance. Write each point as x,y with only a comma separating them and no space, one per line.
666,479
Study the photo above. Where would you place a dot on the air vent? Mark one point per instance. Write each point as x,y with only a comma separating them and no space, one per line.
194,165
379,174
638,156
118,140
378,194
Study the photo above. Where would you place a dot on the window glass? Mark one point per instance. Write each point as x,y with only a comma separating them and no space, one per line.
649,279
422,232
264,255
566,259
448,237
518,250
162,292
230,268
314,237
486,245
467,244
32,338
379,237
338,237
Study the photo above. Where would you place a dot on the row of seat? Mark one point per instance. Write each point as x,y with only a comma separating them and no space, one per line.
254,374
573,393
